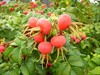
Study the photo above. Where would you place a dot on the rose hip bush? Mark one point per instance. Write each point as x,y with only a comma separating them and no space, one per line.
62,39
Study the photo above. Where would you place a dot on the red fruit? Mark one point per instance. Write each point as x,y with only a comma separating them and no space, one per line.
23,56
45,47
49,14
51,4
44,25
49,64
39,38
33,4
58,41
44,6
36,5
16,5
0,3
83,37
77,40
64,22
2,48
32,22
3,2
82,1
73,37
25,12
11,9
41,12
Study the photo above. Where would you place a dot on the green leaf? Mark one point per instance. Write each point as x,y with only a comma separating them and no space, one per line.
0,59
75,61
96,70
75,52
92,64
97,50
63,69
40,70
24,69
77,71
8,51
16,55
25,19
95,42
24,49
85,44
72,72
2,65
96,60
18,42
31,67
10,73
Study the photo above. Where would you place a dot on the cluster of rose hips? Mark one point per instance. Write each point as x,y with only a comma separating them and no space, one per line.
13,8
41,30
76,36
77,40
2,3
33,4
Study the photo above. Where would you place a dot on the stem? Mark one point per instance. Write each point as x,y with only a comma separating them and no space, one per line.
39,57
75,32
49,57
33,47
58,51
26,30
62,53
34,29
47,60
45,38
65,49
43,57
34,34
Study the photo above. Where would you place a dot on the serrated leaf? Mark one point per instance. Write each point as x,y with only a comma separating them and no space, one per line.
78,71
72,72
24,69
97,50
18,42
40,70
92,64
96,60
75,60
16,55
30,66
25,19
95,42
10,73
96,70
8,51
63,69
